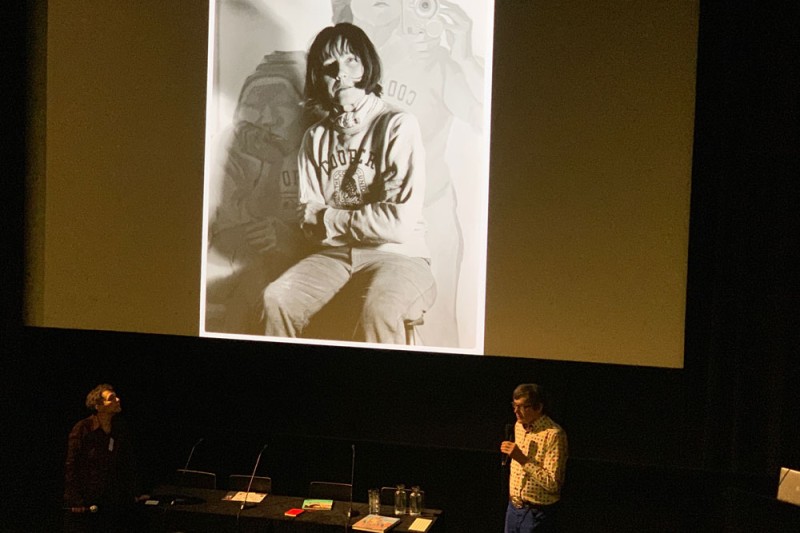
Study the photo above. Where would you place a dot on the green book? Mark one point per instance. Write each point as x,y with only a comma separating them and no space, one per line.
315,504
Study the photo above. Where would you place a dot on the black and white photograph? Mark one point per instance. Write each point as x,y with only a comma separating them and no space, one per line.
346,172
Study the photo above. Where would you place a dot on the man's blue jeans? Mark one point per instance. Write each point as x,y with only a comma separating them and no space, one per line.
392,287
531,519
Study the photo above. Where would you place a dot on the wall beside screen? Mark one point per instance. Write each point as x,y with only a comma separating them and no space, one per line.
591,136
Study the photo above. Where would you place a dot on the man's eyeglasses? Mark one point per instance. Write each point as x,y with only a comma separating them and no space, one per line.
521,407
111,398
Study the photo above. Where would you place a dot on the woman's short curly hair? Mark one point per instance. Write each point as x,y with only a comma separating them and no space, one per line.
95,396
341,37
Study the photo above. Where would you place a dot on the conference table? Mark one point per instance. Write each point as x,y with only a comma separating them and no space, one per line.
188,509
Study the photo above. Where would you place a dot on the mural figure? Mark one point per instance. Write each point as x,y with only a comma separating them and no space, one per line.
254,234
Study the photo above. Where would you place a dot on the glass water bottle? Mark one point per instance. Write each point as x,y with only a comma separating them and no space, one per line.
415,504
400,500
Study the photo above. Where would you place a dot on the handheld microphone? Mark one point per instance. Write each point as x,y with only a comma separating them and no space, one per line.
82,509
509,433
250,483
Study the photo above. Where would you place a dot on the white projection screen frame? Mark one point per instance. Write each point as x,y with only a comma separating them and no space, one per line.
592,110
254,129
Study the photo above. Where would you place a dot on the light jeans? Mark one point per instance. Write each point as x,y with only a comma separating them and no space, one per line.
391,288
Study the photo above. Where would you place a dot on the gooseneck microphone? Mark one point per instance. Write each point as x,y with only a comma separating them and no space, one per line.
189,459
181,479
350,511
250,483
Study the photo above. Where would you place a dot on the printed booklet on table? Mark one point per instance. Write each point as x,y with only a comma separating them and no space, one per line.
374,522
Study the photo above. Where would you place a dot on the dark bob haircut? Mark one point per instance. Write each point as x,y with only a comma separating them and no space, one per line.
343,36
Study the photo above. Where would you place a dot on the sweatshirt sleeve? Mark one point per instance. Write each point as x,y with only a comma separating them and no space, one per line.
395,209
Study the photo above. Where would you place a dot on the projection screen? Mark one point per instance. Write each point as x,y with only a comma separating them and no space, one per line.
562,235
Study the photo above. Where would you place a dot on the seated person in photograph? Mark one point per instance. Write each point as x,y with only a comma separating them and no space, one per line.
538,464
100,486
361,193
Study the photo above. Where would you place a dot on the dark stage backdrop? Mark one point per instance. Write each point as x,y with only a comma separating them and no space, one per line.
591,146
714,432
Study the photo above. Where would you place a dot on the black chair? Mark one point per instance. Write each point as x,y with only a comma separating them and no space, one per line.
195,478
387,495
240,482
326,490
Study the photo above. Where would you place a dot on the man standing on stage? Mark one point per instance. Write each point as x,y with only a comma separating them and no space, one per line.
538,464
100,477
